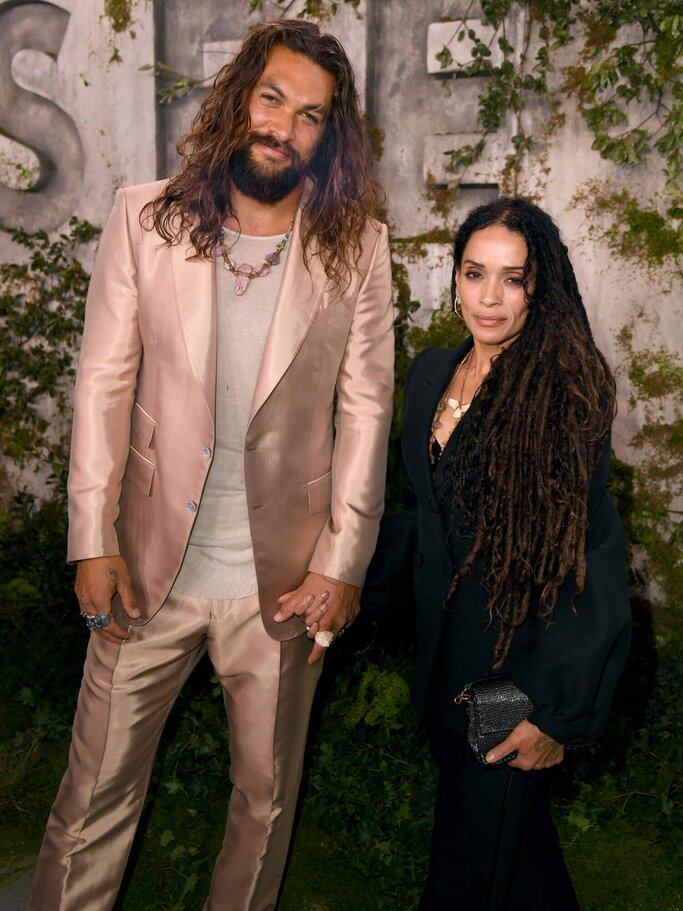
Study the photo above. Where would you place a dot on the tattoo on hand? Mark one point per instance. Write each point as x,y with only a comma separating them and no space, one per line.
549,747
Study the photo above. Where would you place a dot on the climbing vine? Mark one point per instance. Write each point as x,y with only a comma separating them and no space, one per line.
653,518
42,303
315,9
625,75
172,85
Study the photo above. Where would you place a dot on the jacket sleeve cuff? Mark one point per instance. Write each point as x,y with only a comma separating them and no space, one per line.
563,731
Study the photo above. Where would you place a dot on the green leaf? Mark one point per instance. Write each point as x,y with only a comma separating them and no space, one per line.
444,57
579,820
167,837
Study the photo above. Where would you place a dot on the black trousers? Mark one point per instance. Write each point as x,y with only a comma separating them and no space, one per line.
494,845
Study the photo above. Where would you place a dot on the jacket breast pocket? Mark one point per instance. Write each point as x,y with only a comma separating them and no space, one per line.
319,494
334,309
139,472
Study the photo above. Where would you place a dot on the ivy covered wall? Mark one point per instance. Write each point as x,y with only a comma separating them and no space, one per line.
576,104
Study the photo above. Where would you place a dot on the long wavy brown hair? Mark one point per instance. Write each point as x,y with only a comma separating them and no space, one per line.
533,436
344,193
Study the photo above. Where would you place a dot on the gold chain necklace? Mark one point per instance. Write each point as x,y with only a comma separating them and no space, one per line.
459,407
245,271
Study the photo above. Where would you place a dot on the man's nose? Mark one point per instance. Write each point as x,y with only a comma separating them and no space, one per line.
282,125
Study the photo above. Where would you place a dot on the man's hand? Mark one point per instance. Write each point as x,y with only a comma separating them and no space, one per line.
322,604
97,581
535,750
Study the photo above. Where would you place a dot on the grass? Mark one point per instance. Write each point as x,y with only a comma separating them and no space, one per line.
363,832
625,865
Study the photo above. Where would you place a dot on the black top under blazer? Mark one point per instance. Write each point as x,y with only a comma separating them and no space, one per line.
569,668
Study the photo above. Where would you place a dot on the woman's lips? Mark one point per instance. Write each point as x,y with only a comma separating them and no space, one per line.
489,321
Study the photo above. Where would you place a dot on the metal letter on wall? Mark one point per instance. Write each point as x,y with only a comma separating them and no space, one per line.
35,121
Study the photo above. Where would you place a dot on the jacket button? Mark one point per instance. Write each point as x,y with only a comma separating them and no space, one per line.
206,452
191,505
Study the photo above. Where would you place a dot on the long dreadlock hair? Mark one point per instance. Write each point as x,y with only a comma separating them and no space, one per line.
344,194
533,435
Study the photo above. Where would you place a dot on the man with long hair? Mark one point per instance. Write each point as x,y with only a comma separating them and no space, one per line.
231,418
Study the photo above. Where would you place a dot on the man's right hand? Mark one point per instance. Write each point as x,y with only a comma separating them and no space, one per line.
97,581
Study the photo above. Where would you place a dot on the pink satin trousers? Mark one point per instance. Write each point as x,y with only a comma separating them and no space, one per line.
126,695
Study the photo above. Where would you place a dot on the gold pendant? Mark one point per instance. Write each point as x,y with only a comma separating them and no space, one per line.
459,408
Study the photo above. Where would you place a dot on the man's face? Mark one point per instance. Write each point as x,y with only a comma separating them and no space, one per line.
288,111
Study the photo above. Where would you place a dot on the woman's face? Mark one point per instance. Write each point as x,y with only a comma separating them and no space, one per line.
490,282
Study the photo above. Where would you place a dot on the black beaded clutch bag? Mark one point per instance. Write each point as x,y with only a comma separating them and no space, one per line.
494,706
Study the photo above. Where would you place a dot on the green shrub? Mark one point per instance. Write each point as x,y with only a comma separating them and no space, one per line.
371,779
42,302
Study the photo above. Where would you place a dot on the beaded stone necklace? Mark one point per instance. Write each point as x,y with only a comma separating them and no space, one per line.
245,271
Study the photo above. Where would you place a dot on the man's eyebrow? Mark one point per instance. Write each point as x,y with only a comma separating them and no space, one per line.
267,84
322,108
274,87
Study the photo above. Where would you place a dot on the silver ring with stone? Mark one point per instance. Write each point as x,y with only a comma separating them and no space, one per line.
324,638
97,621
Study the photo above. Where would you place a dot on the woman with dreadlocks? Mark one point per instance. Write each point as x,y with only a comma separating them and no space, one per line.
519,563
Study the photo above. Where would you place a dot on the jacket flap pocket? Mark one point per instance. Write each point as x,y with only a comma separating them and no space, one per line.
141,428
319,493
139,471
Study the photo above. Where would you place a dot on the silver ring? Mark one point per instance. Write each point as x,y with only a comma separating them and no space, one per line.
324,638
97,621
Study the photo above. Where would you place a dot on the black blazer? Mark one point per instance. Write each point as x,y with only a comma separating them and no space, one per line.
570,668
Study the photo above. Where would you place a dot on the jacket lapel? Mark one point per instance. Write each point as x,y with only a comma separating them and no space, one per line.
437,474
426,388
296,306
194,282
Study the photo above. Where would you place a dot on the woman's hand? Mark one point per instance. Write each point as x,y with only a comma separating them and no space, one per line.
535,750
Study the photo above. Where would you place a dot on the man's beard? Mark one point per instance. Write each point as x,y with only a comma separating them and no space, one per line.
265,184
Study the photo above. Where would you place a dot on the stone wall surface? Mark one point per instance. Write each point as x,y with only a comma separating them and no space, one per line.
79,116
82,121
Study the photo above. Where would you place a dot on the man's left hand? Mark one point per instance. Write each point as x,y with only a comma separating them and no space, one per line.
535,750
322,604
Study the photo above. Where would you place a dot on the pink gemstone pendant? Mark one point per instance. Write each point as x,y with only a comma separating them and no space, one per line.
241,284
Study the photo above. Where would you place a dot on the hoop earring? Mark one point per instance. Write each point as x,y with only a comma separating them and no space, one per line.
457,305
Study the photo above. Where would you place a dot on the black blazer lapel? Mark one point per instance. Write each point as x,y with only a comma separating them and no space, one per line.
429,376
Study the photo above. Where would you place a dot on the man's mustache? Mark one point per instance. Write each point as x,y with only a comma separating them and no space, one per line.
273,142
